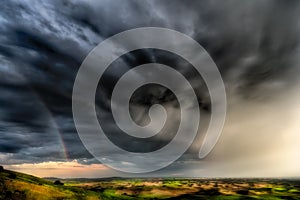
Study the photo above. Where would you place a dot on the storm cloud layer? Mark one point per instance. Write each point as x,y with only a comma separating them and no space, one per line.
255,45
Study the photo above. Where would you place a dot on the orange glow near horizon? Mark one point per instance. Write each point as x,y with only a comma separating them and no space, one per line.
68,169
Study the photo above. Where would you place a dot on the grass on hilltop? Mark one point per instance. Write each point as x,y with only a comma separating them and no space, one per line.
19,186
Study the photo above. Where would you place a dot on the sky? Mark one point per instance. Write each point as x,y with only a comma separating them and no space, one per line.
255,45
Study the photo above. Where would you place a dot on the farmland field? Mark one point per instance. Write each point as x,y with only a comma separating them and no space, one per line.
176,188
14,185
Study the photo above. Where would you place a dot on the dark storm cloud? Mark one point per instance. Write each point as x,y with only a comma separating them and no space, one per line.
42,44
43,66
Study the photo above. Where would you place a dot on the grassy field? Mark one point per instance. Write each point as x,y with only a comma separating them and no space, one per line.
20,186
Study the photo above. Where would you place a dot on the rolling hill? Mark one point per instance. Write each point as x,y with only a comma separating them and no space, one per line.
19,186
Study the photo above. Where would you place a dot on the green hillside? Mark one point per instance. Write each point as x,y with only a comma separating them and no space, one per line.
18,186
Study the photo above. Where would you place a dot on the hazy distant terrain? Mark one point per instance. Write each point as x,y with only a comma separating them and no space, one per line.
14,185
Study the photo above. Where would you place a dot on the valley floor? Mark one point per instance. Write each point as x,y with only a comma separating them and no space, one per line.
14,185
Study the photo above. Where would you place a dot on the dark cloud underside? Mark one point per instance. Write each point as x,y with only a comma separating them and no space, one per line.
255,45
